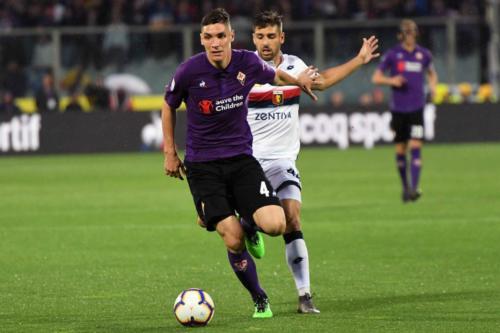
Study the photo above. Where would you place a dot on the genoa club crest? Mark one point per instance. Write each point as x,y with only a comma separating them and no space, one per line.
278,97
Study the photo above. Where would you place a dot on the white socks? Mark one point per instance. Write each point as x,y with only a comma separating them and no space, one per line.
298,262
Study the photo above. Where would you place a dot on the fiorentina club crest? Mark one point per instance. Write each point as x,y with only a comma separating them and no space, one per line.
206,106
241,266
278,97
241,77
419,56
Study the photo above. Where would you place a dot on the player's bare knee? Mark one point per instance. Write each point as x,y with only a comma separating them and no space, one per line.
233,239
231,233
234,244
271,219
275,226
274,230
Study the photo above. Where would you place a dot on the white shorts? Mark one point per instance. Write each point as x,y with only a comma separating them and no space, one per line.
284,178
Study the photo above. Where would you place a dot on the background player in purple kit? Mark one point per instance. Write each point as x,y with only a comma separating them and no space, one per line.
223,176
408,65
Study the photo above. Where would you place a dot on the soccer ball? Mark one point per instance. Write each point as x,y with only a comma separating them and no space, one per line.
194,307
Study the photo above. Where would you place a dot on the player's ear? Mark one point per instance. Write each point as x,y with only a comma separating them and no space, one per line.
232,36
282,37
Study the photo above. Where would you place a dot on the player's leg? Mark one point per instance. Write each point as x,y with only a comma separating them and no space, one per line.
402,166
285,178
297,256
253,236
265,219
270,219
216,212
242,264
415,145
416,167
253,239
401,136
256,200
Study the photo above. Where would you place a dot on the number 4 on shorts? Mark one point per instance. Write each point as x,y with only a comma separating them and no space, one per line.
263,189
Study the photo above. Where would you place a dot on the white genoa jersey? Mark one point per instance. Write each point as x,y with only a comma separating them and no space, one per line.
273,115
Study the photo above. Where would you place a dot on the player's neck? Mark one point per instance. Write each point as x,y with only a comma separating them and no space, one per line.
410,47
223,63
278,59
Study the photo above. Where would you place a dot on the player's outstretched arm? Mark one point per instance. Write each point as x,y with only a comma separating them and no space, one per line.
304,80
396,81
173,165
333,75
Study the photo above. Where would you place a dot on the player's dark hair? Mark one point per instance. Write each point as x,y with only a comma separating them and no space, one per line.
217,15
268,18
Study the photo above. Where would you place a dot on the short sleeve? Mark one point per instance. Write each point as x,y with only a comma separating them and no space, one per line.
385,62
264,73
176,91
298,66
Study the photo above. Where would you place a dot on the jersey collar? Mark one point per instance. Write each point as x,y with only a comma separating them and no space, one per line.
271,62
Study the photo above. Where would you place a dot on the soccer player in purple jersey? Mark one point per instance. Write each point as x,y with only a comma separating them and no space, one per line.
408,65
223,176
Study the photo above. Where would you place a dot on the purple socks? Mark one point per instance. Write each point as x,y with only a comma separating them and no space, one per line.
244,268
416,165
401,164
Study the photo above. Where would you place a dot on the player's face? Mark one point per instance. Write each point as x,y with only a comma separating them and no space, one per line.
410,33
217,38
268,41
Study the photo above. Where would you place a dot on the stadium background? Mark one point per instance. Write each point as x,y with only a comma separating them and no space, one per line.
106,55
90,242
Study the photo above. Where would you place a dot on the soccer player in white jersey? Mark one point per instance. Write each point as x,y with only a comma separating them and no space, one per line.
274,121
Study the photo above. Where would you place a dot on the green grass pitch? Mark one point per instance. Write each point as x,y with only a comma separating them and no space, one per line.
104,243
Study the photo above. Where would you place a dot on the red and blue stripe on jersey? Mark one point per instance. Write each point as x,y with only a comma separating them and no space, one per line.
277,96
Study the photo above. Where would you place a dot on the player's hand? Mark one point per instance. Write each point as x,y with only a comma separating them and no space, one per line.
200,222
174,167
306,79
367,51
398,81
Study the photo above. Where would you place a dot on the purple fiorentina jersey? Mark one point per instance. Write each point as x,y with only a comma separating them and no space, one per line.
413,66
216,101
